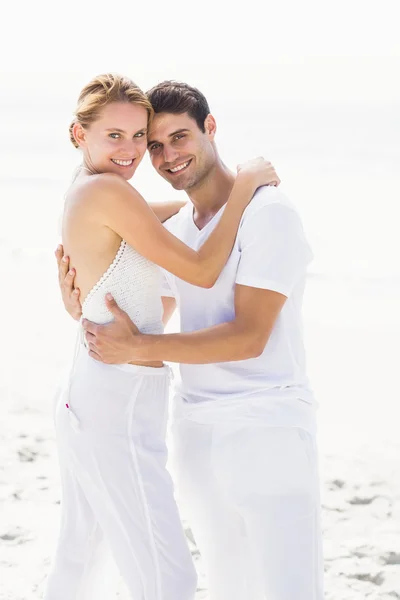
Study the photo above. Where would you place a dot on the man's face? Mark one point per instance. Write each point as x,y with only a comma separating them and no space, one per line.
180,152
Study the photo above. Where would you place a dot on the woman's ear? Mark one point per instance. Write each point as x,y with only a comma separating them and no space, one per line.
79,134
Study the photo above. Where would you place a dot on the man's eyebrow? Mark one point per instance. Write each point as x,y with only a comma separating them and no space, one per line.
183,130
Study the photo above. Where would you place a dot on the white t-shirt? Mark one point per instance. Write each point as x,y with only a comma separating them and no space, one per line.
270,252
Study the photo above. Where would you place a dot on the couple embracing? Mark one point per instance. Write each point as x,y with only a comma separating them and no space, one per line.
233,261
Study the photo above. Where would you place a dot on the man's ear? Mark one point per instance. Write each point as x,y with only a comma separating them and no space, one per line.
210,126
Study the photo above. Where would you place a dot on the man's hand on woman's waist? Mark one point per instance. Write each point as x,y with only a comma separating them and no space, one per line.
112,343
66,280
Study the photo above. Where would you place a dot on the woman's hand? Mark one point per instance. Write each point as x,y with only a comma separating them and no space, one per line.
258,172
66,279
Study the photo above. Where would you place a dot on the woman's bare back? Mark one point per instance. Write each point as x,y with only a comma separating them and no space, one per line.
89,243
106,263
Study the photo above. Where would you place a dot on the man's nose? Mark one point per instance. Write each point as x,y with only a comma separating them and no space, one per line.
170,155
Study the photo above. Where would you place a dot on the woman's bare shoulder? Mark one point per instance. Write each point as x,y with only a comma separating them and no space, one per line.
101,189
105,185
84,186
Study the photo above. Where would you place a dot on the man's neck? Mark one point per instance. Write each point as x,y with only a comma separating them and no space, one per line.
212,194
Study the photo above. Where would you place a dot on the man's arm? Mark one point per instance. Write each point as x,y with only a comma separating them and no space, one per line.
274,256
246,336
66,279
256,311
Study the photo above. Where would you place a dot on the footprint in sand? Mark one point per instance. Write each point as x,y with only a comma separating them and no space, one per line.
26,454
363,551
15,535
359,501
390,558
337,484
375,578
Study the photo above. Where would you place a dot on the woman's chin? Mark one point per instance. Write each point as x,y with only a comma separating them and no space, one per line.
126,172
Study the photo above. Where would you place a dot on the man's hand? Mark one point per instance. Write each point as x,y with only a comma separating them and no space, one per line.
66,278
114,342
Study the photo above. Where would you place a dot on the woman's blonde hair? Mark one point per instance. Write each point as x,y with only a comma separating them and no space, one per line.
101,91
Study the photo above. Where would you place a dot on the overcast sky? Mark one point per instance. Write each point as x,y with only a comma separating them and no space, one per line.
343,51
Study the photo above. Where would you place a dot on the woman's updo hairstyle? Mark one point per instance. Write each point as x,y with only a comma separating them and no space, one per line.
103,90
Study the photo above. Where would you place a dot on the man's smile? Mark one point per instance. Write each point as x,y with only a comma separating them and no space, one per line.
179,168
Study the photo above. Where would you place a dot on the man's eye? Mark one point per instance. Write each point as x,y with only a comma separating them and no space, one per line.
179,136
154,147
114,136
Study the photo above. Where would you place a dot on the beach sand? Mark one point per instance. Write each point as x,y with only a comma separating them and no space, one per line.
352,347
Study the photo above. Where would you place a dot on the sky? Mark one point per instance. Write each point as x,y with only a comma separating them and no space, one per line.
342,51
312,85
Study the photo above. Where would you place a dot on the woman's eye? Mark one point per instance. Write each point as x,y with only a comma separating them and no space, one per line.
140,134
114,136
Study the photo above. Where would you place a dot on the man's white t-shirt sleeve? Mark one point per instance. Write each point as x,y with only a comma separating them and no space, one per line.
274,251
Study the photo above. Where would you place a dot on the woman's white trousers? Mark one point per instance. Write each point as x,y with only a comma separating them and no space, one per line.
117,496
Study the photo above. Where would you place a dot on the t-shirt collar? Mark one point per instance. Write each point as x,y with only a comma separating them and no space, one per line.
212,220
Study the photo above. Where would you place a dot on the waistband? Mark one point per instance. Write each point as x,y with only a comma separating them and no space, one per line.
272,411
144,370
81,344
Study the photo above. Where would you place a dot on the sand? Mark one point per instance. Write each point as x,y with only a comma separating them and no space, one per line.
353,355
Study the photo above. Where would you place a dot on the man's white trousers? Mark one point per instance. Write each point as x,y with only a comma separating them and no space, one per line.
251,495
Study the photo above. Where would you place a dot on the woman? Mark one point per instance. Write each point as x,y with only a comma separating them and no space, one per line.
111,419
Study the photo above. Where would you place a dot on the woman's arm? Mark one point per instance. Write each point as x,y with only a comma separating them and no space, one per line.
166,210
121,208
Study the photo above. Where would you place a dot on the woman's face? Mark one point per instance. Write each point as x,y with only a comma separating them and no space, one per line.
117,140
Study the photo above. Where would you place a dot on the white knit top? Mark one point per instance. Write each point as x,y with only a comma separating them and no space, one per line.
135,284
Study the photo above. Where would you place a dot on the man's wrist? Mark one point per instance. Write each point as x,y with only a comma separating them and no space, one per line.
143,347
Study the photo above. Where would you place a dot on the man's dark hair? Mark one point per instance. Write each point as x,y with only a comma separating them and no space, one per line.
177,98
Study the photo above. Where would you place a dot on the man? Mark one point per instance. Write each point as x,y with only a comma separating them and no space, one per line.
244,423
